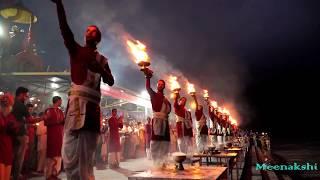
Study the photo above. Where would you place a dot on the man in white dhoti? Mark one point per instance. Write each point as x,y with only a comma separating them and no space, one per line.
183,124
82,123
160,132
201,127
215,116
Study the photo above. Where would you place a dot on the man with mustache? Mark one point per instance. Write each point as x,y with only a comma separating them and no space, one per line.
82,123
160,132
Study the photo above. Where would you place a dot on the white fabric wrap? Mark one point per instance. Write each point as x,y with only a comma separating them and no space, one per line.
160,119
200,124
186,120
228,131
79,95
219,128
224,131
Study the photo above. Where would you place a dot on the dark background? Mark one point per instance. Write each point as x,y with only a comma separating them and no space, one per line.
286,96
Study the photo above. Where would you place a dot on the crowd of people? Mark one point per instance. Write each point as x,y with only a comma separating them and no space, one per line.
33,142
29,141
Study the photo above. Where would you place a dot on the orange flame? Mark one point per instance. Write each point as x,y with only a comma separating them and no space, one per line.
233,121
138,50
193,105
174,85
214,104
191,88
205,93
225,111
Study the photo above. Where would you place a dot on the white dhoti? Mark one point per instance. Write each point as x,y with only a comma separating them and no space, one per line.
159,151
185,144
78,154
201,141
148,152
160,148
80,141
219,144
213,140
159,123
224,136
228,135
79,96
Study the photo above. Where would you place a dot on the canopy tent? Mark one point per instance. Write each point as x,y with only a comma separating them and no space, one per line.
44,85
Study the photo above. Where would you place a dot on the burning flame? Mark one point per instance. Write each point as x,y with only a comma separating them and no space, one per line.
193,105
174,85
191,88
214,104
225,111
233,121
138,50
205,94
219,109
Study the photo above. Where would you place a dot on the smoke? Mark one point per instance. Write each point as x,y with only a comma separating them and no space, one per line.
223,75
227,77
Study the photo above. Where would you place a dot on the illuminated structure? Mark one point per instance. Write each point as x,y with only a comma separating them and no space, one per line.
44,85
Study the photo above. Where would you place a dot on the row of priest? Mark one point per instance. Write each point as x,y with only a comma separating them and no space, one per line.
160,138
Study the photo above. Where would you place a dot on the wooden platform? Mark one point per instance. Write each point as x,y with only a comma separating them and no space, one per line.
190,173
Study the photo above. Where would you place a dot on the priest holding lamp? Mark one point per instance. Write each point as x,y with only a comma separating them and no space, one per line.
201,122
224,123
215,116
228,129
160,132
183,121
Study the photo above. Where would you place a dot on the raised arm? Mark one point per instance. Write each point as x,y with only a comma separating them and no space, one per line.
66,32
148,87
148,74
176,98
211,113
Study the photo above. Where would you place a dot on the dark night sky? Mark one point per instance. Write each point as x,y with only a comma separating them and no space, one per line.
261,56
